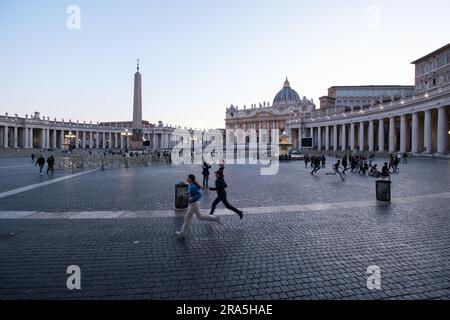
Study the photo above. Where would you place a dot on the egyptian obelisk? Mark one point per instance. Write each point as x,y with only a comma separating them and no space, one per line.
136,139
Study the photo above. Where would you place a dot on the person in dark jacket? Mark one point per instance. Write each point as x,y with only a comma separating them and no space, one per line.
41,162
205,173
50,164
222,195
385,171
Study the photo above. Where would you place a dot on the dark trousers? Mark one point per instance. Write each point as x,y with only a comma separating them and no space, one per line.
49,169
225,203
205,181
40,168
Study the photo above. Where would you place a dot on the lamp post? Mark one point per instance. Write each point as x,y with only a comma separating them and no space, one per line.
69,138
126,134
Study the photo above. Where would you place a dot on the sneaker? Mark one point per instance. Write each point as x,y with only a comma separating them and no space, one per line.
180,235
241,214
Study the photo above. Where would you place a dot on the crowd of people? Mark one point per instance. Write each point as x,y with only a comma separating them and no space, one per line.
359,164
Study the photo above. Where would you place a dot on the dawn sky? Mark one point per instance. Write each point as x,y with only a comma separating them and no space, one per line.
198,57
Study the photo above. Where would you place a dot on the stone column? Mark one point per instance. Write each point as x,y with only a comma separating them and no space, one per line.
5,136
26,136
47,138
335,138
42,139
344,137
15,137
116,140
327,138
381,135
61,139
403,134
361,136
121,142
415,133
91,139
391,134
103,135
83,140
442,131
54,140
371,137
352,136
319,138
427,132
76,139
110,140
31,138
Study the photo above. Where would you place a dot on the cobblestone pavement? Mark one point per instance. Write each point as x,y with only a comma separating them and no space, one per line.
150,188
309,254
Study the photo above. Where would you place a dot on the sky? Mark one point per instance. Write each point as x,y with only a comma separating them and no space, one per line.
197,57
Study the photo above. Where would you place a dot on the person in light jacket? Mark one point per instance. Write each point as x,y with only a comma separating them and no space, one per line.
194,191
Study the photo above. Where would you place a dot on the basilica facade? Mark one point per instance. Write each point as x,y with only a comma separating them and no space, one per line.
287,105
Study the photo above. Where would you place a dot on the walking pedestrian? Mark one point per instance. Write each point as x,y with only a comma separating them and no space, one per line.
404,160
41,162
205,173
50,164
32,157
316,165
344,164
222,195
324,160
194,191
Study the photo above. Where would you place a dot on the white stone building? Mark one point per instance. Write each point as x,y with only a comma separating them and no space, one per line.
417,124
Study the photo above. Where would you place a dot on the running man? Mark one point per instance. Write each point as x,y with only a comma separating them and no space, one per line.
222,195
336,170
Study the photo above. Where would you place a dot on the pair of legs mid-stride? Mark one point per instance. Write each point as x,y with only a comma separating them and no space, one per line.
226,204
194,208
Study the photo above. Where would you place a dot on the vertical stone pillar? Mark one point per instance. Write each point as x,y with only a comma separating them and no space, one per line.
31,138
335,137
42,138
61,139
391,134
403,134
319,138
91,139
371,137
76,139
361,136
83,139
121,142
352,136
104,140
26,136
442,131
54,144
116,140
110,140
427,132
344,137
327,138
47,138
415,133
381,135
15,137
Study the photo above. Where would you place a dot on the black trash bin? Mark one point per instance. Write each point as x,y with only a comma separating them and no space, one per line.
383,190
181,196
